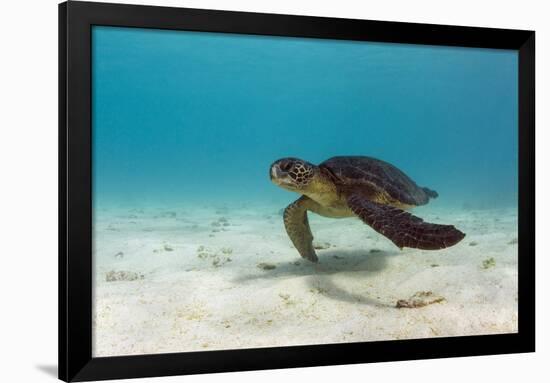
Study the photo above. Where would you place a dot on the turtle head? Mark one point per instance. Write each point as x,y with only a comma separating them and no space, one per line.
292,173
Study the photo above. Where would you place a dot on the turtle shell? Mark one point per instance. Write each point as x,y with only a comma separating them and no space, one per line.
356,172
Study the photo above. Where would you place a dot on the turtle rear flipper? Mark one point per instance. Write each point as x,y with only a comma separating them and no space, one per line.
403,228
297,227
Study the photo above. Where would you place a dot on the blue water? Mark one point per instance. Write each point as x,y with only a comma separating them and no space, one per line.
189,117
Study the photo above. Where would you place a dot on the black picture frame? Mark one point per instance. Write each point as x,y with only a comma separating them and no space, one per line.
75,193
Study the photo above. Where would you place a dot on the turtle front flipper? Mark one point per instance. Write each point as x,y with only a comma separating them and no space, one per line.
403,228
297,228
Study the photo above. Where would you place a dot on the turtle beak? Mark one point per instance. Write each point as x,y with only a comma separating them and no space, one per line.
279,177
276,174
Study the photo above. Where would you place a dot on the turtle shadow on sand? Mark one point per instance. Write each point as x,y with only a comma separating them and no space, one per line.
331,262
331,290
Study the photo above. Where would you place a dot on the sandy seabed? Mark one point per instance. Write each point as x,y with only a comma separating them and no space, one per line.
209,278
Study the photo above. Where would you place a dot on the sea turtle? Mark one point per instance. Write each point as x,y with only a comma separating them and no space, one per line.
370,189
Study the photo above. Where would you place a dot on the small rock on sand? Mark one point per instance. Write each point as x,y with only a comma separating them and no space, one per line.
266,266
420,299
321,246
113,276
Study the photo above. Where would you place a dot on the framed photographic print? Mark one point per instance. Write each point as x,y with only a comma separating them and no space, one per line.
248,191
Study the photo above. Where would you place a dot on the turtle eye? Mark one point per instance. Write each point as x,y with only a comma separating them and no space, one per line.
285,166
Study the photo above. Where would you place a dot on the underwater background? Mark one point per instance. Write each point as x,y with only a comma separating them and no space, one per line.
193,117
189,249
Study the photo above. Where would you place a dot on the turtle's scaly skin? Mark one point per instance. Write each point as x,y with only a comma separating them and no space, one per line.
370,189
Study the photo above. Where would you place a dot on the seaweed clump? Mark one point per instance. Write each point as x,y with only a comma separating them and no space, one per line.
488,263
216,258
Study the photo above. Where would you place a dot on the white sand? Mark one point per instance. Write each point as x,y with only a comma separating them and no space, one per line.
187,296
